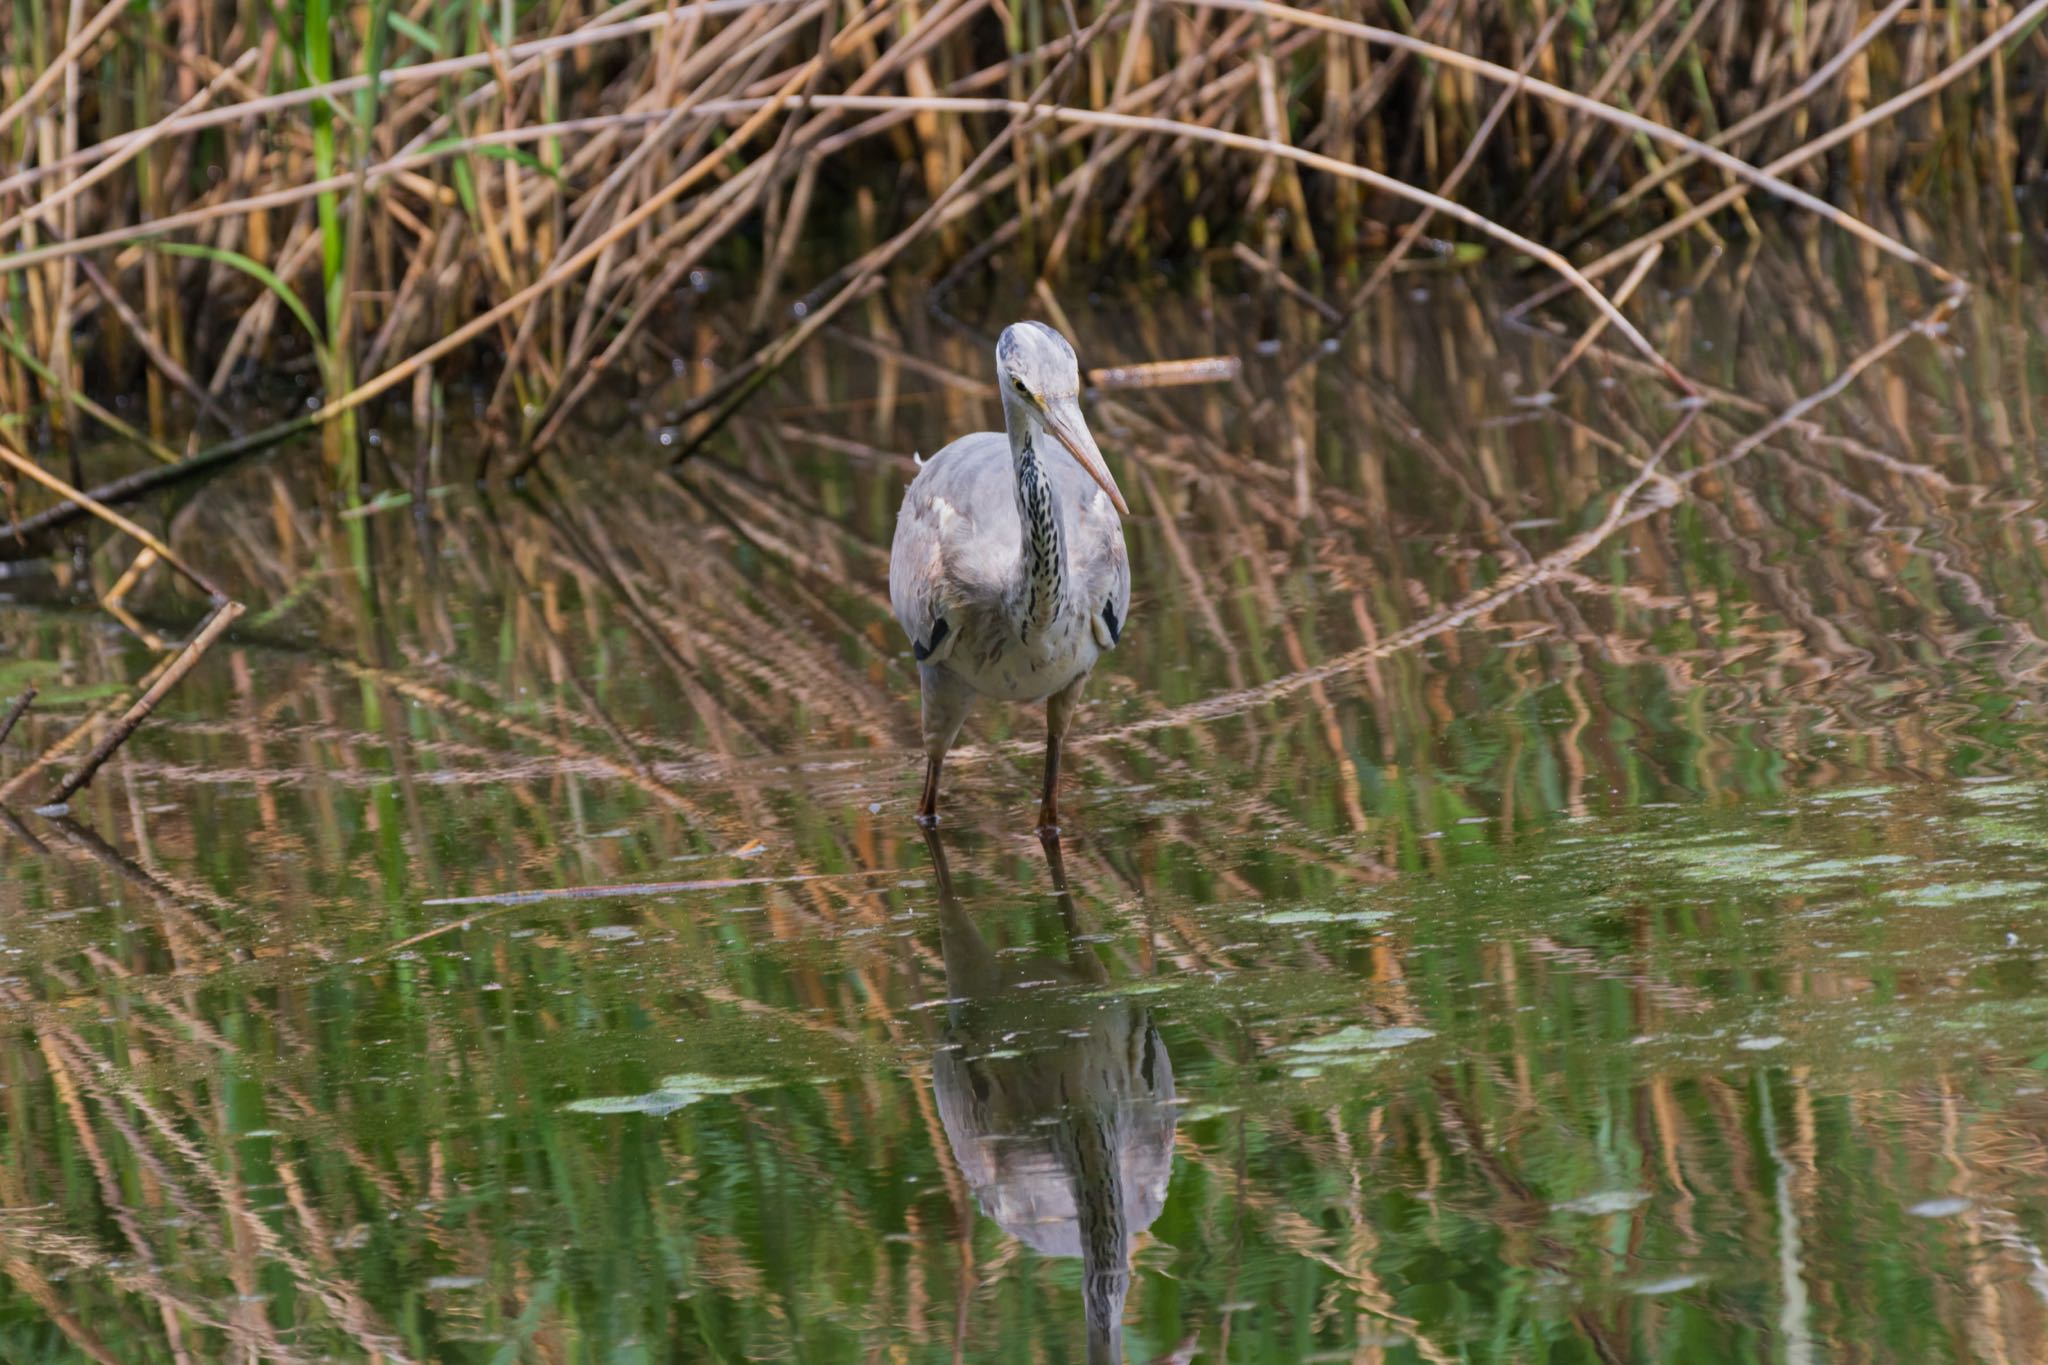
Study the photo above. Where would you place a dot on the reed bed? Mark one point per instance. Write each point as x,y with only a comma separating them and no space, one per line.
366,203
286,1093
435,235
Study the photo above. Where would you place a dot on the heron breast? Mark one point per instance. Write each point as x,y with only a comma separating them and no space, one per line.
998,664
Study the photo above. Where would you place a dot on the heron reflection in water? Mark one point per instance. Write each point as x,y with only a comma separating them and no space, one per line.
1057,1101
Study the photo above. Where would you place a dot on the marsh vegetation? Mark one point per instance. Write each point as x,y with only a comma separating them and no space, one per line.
1568,801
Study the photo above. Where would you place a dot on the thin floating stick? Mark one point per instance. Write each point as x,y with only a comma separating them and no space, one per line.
511,899
214,626
592,893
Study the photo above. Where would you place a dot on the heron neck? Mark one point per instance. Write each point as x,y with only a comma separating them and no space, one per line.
1044,552
1097,1173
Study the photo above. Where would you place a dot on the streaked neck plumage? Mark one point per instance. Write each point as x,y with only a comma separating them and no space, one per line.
1041,585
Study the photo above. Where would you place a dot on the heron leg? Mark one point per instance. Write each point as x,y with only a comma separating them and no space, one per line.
1059,714
946,700
928,806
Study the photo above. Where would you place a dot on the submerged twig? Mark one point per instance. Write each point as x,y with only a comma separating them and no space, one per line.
15,712
111,517
223,616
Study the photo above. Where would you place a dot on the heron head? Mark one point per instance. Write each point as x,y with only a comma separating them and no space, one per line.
1041,385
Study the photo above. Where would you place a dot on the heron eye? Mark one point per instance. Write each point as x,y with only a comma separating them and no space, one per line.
1018,384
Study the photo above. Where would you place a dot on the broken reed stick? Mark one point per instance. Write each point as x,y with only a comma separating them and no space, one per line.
215,625
1167,374
16,711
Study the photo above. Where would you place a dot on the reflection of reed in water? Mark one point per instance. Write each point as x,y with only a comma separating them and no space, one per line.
1058,1105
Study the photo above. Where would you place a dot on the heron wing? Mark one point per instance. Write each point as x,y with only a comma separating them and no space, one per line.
1095,550
956,541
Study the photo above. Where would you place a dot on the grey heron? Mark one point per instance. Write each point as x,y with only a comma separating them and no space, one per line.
1008,569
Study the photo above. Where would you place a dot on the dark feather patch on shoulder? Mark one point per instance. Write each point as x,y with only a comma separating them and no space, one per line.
939,629
1116,627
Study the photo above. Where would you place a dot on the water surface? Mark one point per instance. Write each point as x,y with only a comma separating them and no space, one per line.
514,944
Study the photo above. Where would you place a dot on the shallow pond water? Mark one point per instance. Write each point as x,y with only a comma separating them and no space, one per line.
513,943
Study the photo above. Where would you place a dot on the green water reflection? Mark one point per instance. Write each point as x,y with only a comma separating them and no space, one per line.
523,951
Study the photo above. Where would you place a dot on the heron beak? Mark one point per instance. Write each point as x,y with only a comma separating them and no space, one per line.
1063,419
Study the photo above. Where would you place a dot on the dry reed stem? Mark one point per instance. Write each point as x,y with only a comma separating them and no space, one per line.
724,400
1383,270
296,194
565,270
41,208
